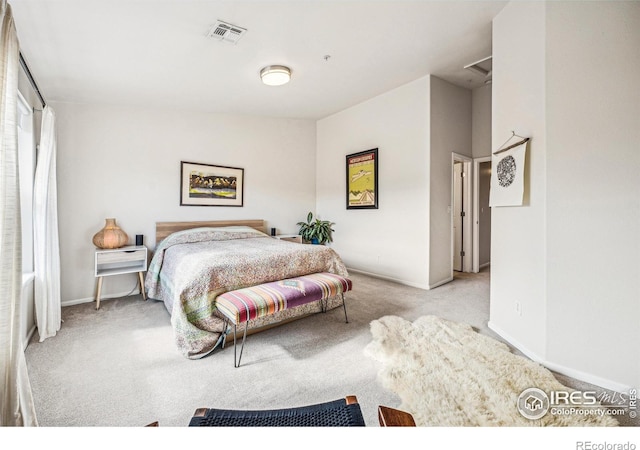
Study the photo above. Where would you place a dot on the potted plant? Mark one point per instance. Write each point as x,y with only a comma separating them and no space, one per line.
316,231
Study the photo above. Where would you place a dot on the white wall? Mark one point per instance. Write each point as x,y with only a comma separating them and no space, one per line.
450,115
518,234
569,256
593,188
392,241
416,128
481,148
481,121
124,163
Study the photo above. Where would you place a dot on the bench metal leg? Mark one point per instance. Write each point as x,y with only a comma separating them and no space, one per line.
324,305
344,306
225,332
236,360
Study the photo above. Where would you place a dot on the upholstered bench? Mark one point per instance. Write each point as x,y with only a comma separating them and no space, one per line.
246,304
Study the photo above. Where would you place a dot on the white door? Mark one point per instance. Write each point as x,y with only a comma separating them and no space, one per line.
458,214
461,226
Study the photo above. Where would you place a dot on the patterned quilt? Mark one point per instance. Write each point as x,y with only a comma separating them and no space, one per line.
191,268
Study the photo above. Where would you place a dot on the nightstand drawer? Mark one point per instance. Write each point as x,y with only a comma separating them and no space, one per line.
123,256
290,237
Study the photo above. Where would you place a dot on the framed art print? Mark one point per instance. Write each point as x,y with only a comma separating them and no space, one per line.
208,185
362,180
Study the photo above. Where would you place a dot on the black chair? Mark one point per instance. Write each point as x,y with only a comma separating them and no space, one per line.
345,412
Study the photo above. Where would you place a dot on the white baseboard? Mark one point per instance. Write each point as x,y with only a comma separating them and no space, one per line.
559,368
78,301
515,343
395,280
587,377
440,283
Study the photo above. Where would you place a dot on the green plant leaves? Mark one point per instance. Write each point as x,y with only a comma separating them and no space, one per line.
318,229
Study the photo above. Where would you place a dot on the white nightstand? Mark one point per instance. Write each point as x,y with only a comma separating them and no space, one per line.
118,261
289,237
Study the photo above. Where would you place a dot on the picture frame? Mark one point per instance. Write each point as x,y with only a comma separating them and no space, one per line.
362,179
210,185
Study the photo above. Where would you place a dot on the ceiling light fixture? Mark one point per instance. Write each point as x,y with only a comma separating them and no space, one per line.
275,75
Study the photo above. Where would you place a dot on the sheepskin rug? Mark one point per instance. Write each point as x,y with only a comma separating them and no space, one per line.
446,374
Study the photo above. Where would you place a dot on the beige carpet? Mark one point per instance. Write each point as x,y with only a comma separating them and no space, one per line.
446,374
119,366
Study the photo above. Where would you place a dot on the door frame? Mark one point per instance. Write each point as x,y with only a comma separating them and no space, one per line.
467,231
476,209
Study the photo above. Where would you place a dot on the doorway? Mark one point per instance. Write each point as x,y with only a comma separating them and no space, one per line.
481,214
461,235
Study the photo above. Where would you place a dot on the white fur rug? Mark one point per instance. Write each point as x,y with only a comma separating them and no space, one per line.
446,374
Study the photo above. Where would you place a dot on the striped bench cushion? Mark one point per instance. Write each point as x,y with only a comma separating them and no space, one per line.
265,299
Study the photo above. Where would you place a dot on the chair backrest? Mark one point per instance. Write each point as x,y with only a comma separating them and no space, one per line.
344,412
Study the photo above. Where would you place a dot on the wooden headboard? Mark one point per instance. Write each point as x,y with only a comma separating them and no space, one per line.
164,229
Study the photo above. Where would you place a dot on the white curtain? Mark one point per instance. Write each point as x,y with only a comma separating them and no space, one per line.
16,400
46,248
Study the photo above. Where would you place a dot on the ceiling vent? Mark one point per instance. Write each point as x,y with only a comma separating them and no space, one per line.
482,67
223,31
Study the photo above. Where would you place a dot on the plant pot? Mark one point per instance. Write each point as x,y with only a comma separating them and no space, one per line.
315,241
111,236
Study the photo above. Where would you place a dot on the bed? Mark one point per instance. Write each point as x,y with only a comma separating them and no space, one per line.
194,262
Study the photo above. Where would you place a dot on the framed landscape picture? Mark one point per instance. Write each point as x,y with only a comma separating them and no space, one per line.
362,180
208,185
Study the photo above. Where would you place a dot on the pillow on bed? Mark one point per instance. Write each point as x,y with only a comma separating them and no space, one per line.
200,231
201,234
241,228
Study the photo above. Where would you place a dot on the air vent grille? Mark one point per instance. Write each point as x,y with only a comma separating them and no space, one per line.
482,67
223,31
